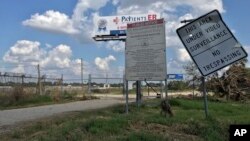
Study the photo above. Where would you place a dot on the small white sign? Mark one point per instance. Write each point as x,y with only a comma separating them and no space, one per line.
145,52
210,43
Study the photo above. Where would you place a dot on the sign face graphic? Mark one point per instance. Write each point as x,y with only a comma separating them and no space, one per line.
210,43
117,25
145,52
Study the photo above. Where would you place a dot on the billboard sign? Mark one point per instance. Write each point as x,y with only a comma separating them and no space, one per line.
145,51
117,25
210,43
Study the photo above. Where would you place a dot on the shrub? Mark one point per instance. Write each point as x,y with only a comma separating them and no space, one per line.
18,93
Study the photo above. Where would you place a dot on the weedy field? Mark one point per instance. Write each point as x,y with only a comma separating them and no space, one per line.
142,123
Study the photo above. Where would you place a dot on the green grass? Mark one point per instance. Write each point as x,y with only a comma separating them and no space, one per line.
144,123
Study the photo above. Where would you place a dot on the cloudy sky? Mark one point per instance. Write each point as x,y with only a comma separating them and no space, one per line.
56,34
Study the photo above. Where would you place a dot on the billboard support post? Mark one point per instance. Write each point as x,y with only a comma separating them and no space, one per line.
138,93
166,89
161,89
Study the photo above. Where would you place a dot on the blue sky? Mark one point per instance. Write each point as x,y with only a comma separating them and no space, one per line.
57,33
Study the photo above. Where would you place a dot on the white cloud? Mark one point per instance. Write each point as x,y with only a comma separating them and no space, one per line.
182,55
115,2
23,51
117,46
103,63
196,7
52,21
49,46
24,55
79,25
58,56
19,69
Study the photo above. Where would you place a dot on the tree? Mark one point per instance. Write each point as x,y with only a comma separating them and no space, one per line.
233,83
193,74
192,71
178,85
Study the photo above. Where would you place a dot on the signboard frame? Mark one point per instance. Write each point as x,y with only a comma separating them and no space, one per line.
114,27
159,46
226,27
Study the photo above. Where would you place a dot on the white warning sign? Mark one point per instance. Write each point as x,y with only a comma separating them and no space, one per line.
210,43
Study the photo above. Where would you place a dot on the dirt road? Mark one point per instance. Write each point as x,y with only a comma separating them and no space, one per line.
11,117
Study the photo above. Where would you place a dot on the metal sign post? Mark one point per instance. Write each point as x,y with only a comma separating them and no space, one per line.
211,45
138,93
161,89
166,89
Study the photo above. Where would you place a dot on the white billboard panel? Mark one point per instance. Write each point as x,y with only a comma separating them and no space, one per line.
210,43
145,52
117,25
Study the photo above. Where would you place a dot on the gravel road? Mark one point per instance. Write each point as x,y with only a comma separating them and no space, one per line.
11,117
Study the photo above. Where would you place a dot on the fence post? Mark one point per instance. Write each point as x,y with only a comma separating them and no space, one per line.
205,96
89,86
124,86
61,84
39,80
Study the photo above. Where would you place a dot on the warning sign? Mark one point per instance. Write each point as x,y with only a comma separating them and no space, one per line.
210,43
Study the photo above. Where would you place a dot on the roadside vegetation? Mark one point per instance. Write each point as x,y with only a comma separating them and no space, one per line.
142,123
232,83
19,98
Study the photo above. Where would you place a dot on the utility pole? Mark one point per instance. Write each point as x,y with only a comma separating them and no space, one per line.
124,85
39,80
23,79
82,73
106,80
89,84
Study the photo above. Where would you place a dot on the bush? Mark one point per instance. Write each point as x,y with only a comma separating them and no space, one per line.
178,85
18,93
101,91
68,96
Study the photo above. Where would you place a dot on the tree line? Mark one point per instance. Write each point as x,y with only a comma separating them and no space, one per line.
232,83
